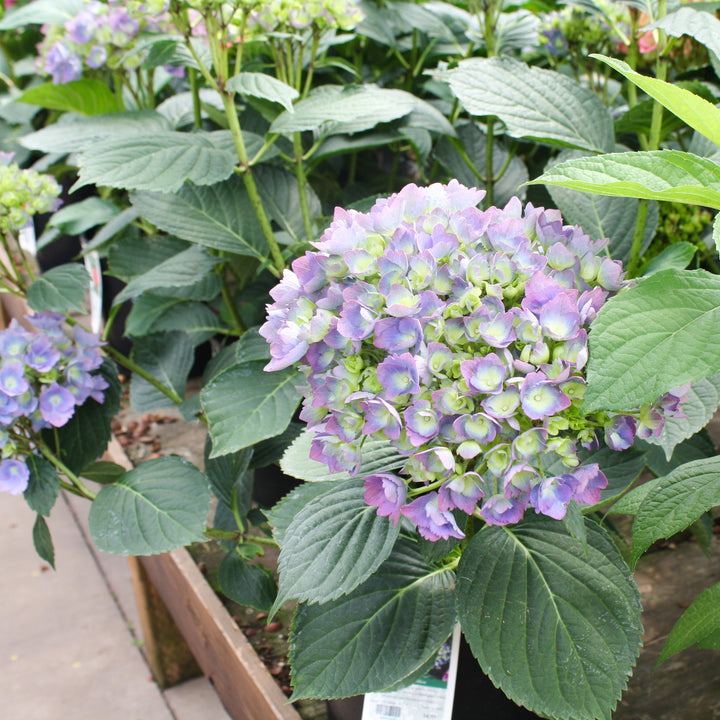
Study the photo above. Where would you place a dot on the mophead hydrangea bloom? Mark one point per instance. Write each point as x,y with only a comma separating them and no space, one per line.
279,15
44,377
458,336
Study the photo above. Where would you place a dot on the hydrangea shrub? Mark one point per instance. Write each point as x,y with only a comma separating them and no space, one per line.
460,337
44,377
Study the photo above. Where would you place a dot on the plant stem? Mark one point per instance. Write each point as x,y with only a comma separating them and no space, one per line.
636,247
60,465
144,374
227,297
195,89
302,185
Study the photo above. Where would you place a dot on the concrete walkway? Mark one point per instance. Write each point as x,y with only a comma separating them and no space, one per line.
68,643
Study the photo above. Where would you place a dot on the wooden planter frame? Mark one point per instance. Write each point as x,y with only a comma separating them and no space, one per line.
186,628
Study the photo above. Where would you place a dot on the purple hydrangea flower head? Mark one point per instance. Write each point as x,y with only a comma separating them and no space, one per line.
14,476
57,404
41,354
63,64
459,337
386,492
12,378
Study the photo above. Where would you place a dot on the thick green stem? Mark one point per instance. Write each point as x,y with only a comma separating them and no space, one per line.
232,309
144,374
302,185
195,90
636,248
78,484
249,180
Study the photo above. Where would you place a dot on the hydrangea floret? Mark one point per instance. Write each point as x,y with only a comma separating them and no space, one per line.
102,34
459,336
280,15
24,193
44,376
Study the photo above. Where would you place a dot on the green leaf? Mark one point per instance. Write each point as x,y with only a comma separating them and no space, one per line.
154,161
168,357
219,216
227,477
133,255
282,513
699,446
265,87
601,216
84,96
703,400
342,144
182,270
697,112
119,223
154,508
194,318
677,501
44,485
653,337
474,143
252,346
668,175
700,621
81,216
676,257
332,545
621,469
42,541
270,451
377,635
279,190
702,530
60,289
103,472
378,455
265,401
39,12
179,110
252,585
332,109
532,599
537,104
73,133
85,436
630,504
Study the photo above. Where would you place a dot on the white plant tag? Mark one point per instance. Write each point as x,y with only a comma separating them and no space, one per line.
26,239
92,265
430,698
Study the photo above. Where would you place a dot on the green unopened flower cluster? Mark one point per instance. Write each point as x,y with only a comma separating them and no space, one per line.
24,193
278,15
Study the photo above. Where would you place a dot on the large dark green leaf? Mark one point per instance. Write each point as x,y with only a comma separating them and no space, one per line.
60,289
156,507
282,513
252,585
44,485
227,476
81,216
244,405
676,502
376,636
85,436
355,108
219,216
660,334
169,358
554,622
160,161
332,545
538,104
701,445
43,541
74,132
700,622
182,270
265,87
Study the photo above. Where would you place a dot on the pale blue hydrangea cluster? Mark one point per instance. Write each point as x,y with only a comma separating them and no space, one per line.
459,336
44,376
102,34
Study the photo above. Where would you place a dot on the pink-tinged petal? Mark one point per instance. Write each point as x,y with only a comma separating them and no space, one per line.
386,492
620,432
401,302
478,426
588,482
461,493
421,423
541,398
432,523
398,375
552,496
484,375
559,317
395,334
499,510
539,290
